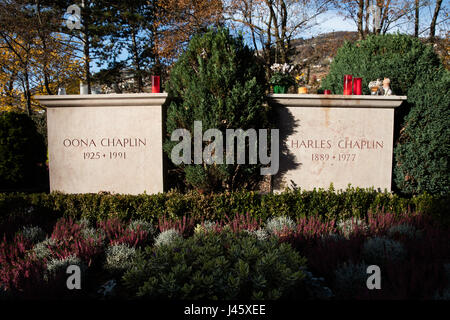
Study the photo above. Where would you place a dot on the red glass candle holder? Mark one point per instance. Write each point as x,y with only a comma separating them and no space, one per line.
155,84
326,91
357,86
348,84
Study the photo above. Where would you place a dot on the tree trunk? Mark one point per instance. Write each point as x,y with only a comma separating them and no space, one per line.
136,60
274,18
284,43
27,92
44,47
416,19
87,44
360,19
87,71
366,19
383,15
434,19
268,46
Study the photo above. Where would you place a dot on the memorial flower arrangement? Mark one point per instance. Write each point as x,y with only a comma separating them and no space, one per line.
300,79
281,77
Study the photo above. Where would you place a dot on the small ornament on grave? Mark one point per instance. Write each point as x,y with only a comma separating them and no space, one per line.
386,90
375,87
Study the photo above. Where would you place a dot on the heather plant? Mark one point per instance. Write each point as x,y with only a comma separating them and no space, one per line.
90,232
140,224
378,250
71,241
280,225
335,237
55,275
260,234
117,231
314,227
57,266
242,222
217,266
20,271
119,257
205,227
33,233
42,249
167,237
350,226
85,223
184,226
350,279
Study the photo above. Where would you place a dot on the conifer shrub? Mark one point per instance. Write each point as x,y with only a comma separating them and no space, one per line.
422,129
217,266
220,82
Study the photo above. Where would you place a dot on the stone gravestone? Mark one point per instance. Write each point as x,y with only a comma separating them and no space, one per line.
107,142
335,139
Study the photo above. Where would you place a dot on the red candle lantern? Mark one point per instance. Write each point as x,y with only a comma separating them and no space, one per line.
357,86
348,84
326,91
155,84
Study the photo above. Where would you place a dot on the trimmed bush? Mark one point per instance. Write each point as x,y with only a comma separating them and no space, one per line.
422,142
219,81
217,266
18,209
22,152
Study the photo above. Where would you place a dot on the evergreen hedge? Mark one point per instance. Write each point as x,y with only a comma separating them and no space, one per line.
423,149
22,152
39,208
422,123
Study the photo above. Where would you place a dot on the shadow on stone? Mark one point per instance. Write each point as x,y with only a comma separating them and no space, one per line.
287,125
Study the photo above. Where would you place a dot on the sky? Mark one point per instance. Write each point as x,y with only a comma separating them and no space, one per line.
329,22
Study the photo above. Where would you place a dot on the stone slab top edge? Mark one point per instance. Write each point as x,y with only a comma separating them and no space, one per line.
337,100
103,100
